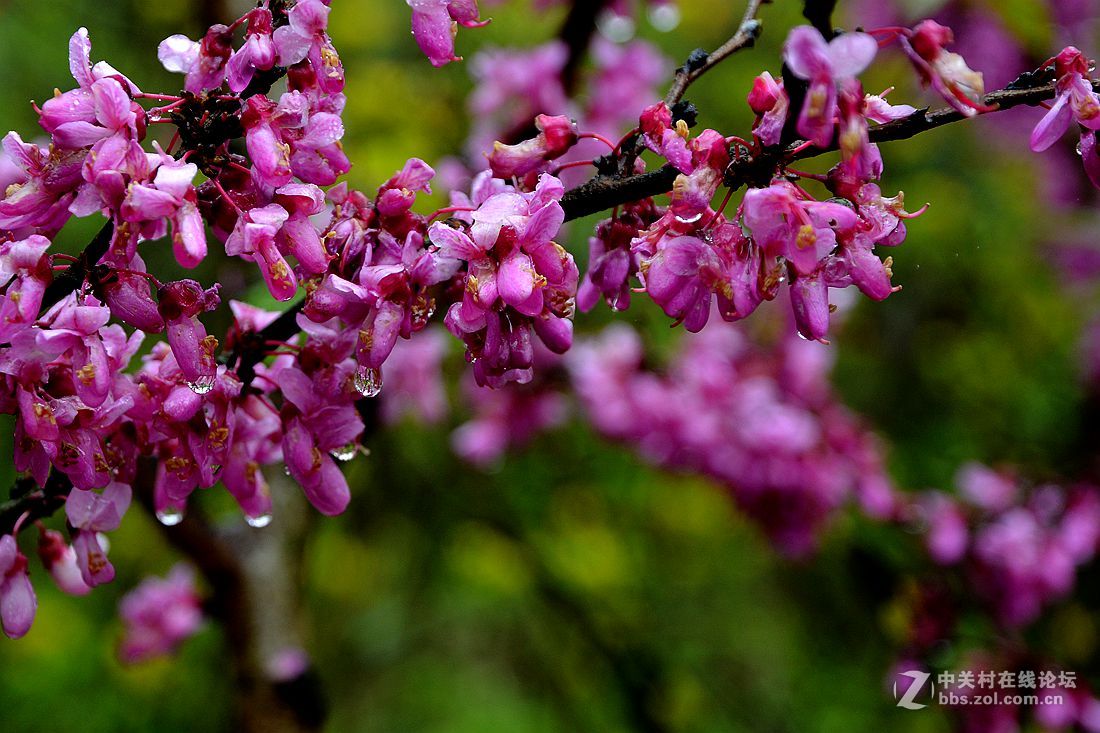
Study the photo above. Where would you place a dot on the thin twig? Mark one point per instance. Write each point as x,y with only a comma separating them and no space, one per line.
746,35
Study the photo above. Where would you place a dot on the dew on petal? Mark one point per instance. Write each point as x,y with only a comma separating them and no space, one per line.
368,381
202,385
170,516
345,452
259,522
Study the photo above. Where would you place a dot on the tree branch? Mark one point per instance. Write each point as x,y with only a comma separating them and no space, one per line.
701,62
34,502
576,33
72,277
605,192
820,15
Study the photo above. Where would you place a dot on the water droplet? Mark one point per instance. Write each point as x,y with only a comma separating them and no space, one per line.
345,452
368,381
202,385
618,28
803,336
258,522
1079,151
170,516
215,467
286,469
690,220
664,17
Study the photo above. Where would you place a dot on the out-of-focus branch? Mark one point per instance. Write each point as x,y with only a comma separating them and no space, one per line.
252,579
576,33
701,62
820,15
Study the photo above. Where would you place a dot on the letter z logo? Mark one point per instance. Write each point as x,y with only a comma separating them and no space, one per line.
909,699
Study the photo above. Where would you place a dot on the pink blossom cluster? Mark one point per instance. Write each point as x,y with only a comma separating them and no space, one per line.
159,615
1021,553
761,422
515,87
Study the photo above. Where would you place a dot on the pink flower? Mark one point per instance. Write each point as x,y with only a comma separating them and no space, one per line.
202,61
824,66
320,419
90,513
770,103
305,37
664,138
40,201
1075,102
435,24
517,279
254,238
60,560
18,603
159,615
180,304
611,263
946,72
687,272
258,52
127,294
170,195
24,274
783,223
556,136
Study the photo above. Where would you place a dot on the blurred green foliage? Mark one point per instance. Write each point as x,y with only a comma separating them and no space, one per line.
575,589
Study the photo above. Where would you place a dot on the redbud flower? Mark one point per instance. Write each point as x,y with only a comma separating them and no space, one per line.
18,603
824,66
127,293
42,198
258,52
320,419
159,615
90,513
1075,102
946,72
60,560
556,136
435,23
770,103
170,195
304,37
180,304
202,61
25,271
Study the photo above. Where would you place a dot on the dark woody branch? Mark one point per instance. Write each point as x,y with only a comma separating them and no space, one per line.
700,62
605,192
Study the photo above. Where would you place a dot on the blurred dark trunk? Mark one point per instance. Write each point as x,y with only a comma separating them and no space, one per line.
254,577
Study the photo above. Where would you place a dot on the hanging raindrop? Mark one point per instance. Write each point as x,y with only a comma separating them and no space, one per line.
345,452
202,385
368,381
170,516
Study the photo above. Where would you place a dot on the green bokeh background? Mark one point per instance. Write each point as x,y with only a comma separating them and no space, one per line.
572,587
